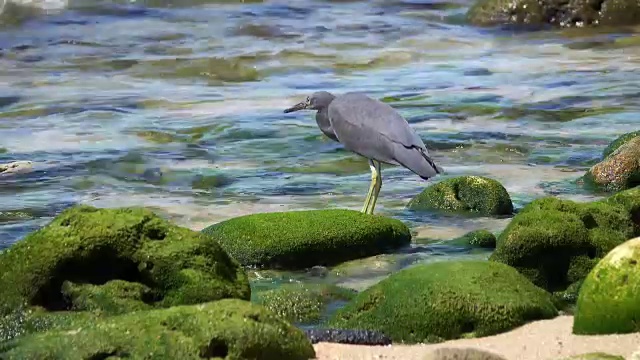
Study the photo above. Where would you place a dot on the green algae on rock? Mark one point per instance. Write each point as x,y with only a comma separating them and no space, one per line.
299,239
620,170
302,303
477,238
619,141
73,261
447,300
229,328
609,299
465,194
555,243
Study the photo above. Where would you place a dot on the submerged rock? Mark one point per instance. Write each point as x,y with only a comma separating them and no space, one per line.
576,13
302,239
478,238
355,337
555,243
446,300
16,167
229,328
302,303
609,299
114,261
474,194
620,169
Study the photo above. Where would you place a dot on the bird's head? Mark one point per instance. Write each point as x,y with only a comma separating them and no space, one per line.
317,101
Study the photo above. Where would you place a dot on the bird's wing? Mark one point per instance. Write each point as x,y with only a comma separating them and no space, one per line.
376,131
375,116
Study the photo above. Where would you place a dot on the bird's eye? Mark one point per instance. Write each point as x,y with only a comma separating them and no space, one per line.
308,99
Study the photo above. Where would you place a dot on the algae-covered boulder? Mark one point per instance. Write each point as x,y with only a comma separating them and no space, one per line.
303,303
575,13
116,260
555,243
609,299
478,238
619,170
301,239
474,194
447,300
229,329
619,141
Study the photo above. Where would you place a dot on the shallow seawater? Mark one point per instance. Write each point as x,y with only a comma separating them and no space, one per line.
177,105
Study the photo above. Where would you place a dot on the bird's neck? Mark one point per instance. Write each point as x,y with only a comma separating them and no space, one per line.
322,119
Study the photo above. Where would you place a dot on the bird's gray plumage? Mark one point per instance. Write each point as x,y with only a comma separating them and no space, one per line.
373,130
376,131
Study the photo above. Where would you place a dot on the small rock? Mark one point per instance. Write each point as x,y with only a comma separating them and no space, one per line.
462,354
474,194
478,238
342,336
16,167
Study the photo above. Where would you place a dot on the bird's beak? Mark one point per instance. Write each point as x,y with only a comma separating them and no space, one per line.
299,106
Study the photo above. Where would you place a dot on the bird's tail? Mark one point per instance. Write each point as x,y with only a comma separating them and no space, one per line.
417,160
436,167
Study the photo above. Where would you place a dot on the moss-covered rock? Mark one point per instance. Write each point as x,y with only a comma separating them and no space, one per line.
303,303
230,328
619,170
300,239
595,356
609,299
476,194
619,141
575,13
477,238
116,260
447,300
555,243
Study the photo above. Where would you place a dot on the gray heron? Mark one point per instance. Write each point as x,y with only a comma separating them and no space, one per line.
371,129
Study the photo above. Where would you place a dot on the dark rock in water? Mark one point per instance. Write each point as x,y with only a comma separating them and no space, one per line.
318,271
355,337
577,13
8,100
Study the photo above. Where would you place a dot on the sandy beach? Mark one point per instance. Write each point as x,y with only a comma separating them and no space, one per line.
540,340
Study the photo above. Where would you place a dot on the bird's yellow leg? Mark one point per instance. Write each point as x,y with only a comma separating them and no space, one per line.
367,200
376,183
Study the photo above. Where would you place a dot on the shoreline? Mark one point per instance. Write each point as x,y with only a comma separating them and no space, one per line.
538,340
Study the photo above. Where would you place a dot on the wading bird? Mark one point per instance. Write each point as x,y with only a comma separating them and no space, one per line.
372,129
